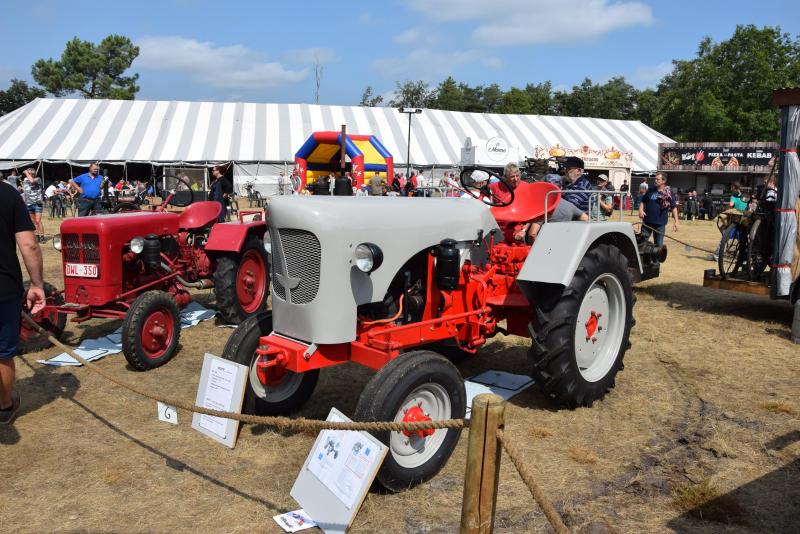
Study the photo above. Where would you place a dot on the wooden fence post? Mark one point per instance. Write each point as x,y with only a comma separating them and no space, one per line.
483,464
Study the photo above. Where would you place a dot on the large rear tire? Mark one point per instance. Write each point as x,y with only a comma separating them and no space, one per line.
418,385
284,390
581,336
52,321
151,331
241,282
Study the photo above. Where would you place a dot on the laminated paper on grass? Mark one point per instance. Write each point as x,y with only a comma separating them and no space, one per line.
95,349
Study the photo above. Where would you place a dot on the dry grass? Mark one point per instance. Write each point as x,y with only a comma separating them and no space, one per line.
779,407
688,497
85,456
583,455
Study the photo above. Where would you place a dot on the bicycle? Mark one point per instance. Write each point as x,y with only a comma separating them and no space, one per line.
745,246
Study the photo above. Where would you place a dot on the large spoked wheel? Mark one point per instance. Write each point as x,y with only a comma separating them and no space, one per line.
732,253
416,386
151,331
757,247
241,282
53,322
582,333
273,391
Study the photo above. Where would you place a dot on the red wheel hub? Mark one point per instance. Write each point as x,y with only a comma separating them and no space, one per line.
591,326
157,333
415,415
251,281
271,372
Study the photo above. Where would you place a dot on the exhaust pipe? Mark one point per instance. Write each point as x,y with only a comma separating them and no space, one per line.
200,284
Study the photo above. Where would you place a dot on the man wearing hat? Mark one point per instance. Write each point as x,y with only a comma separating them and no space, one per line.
601,206
574,180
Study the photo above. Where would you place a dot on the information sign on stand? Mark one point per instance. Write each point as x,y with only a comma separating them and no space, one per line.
337,475
222,384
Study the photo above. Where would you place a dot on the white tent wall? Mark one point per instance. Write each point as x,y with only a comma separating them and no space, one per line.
264,177
195,132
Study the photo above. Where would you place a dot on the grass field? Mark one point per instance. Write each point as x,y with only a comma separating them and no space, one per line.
701,434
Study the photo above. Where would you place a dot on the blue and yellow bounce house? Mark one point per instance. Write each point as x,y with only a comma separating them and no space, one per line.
319,156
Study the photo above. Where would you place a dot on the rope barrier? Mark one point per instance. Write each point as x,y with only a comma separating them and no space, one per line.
527,477
664,233
283,423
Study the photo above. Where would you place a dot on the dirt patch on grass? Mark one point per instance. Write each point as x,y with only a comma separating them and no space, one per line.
690,406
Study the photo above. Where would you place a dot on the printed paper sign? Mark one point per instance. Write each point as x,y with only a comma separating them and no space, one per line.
221,388
294,521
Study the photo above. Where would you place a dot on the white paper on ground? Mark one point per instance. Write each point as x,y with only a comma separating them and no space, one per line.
294,521
167,413
501,383
94,349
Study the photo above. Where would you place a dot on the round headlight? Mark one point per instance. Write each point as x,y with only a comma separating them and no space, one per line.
368,257
137,245
57,241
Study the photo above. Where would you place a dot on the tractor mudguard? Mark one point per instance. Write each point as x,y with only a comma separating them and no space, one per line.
559,248
230,236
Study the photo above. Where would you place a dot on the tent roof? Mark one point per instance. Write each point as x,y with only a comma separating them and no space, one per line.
168,131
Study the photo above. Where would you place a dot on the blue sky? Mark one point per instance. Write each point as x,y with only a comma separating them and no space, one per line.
265,51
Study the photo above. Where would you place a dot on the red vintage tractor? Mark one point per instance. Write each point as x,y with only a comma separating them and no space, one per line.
139,266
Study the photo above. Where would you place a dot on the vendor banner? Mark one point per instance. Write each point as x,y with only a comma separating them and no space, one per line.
593,158
720,157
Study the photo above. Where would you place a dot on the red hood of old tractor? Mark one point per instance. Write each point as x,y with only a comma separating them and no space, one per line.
122,227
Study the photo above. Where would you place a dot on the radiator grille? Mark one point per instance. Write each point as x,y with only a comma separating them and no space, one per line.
78,248
300,259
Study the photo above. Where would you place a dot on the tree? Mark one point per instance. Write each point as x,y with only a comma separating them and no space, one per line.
94,71
17,95
317,79
615,99
725,93
412,94
369,99
448,96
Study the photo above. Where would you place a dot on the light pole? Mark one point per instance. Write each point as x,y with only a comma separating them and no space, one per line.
409,112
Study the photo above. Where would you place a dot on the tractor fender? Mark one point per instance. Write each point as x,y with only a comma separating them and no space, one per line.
230,236
560,247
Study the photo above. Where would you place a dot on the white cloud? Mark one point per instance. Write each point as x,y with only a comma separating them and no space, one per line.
493,62
525,22
226,67
409,36
650,75
311,55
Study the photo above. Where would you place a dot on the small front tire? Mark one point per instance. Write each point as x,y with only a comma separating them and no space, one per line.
151,331
286,391
417,381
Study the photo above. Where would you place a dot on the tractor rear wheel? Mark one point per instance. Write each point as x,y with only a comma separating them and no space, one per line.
276,391
151,331
582,334
52,321
415,386
241,282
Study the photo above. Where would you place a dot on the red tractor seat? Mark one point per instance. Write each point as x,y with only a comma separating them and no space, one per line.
528,203
199,214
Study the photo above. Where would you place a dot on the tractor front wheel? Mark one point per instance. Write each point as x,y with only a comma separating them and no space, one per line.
415,386
241,282
582,334
274,391
53,322
151,331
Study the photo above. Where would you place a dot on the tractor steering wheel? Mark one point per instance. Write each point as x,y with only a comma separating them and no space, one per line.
475,181
175,184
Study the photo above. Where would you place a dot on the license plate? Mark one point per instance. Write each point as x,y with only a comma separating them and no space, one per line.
82,270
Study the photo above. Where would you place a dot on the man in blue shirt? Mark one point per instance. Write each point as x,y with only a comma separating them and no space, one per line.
654,208
89,186
574,180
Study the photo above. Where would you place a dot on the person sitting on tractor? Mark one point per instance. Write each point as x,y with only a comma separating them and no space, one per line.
575,180
500,188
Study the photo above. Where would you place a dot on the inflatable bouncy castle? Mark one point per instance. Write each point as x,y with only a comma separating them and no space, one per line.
319,156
